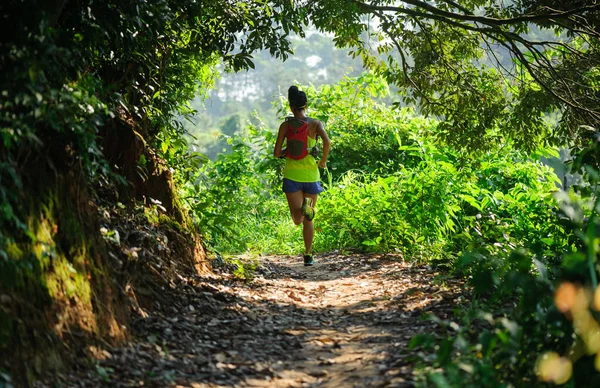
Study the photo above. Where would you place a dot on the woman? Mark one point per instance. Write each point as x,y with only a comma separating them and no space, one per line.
301,178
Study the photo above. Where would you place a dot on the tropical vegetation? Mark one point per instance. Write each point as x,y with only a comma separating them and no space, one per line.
447,170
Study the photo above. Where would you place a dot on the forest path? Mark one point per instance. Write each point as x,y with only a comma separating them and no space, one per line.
346,322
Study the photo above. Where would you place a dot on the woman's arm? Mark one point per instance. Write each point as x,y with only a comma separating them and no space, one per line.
280,136
326,144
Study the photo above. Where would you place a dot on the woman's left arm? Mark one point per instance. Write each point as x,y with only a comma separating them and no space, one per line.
278,144
326,144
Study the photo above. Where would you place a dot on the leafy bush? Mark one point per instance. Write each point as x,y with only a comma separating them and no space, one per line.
537,316
423,198
493,219
237,198
366,131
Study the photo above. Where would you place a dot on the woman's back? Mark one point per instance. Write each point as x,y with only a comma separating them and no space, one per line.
305,169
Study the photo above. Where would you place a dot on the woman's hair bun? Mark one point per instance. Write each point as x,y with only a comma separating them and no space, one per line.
297,98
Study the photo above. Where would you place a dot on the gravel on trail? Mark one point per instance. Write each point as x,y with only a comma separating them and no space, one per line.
345,322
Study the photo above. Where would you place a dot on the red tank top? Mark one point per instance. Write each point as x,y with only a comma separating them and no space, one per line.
297,141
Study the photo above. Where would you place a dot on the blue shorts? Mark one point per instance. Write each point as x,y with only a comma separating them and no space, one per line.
290,186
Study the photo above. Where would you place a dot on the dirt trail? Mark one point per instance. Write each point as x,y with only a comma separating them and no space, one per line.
345,322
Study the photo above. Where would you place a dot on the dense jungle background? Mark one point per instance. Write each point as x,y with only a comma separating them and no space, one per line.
142,220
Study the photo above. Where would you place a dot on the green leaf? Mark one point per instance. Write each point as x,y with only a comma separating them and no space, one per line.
421,340
471,201
445,351
439,381
574,260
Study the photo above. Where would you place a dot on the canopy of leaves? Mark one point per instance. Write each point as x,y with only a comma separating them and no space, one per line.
483,67
71,68
491,71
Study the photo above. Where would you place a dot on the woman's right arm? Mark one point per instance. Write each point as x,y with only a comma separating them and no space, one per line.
279,143
326,144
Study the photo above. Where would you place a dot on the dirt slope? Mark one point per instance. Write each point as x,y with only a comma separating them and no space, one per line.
345,322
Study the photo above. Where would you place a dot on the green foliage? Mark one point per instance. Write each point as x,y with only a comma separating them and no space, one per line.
244,268
434,210
367,132
70,70
536,301
490,71
490,349
393,186
493,219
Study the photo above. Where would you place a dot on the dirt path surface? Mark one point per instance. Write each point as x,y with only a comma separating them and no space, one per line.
346,322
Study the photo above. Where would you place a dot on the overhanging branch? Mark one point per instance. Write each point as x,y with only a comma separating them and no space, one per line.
481,19
530,53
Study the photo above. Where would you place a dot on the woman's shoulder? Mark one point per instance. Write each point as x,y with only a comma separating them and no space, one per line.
316,124
313,121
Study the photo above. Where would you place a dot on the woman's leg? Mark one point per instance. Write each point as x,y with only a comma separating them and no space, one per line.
295,203
308,228
295,200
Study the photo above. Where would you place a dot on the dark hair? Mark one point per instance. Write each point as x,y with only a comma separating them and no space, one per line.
297,98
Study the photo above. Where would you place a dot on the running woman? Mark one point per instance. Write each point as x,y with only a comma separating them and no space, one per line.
301,177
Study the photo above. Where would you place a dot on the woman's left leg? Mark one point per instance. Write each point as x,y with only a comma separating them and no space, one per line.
308,228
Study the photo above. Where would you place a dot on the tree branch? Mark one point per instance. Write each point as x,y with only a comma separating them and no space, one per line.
542,69
458,6
530,70
479,19
498,63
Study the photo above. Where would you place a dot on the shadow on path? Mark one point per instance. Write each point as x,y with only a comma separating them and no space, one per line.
345,322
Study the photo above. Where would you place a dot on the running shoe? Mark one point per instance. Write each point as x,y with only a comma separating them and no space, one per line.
307,209
308,260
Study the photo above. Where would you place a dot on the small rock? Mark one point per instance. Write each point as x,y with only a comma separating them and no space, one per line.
318,373
220,357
